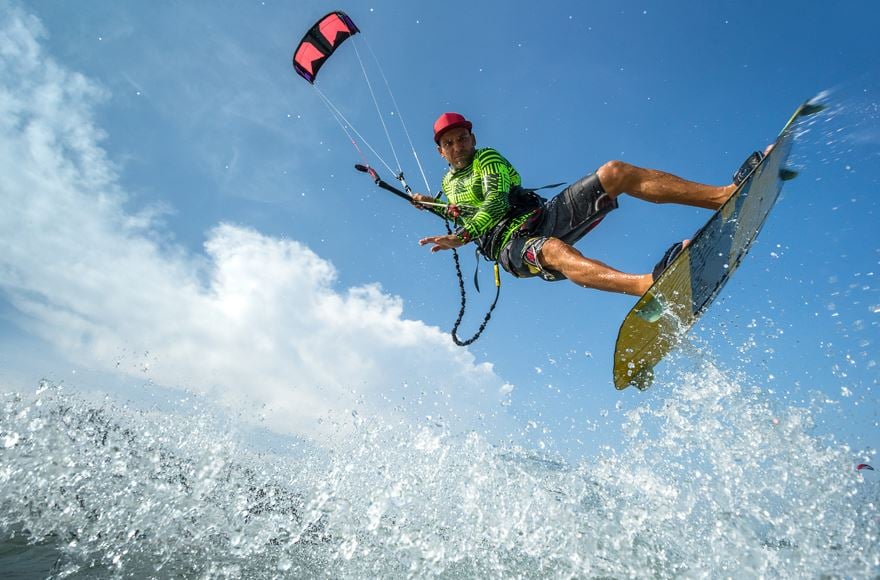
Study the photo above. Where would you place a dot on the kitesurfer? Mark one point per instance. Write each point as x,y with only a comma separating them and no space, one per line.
531,238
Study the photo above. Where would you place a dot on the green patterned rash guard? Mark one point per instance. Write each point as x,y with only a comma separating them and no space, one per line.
481,192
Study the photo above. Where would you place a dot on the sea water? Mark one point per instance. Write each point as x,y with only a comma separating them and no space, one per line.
709,481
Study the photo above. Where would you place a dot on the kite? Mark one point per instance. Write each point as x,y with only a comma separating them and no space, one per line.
320,42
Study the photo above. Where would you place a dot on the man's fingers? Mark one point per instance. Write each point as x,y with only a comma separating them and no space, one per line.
436,241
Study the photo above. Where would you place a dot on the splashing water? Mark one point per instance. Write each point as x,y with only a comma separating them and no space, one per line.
708,482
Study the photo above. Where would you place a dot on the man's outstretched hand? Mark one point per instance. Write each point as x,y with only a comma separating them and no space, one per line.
446,242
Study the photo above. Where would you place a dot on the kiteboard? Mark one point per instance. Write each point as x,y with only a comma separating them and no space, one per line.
682,293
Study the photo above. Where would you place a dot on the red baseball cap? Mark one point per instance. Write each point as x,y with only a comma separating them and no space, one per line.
448,121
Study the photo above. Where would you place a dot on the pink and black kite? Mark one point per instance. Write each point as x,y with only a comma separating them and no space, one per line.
319,43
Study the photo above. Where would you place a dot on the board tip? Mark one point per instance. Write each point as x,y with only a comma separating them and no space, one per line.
811,108
786,174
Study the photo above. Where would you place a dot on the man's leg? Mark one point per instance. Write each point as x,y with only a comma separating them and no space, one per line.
557,255
658,187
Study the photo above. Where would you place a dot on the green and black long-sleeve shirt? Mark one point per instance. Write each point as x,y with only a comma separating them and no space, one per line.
481,192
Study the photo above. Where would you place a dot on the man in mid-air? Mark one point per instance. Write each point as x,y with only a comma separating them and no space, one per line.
530,238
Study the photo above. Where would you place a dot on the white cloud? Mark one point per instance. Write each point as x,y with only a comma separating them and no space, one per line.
254,322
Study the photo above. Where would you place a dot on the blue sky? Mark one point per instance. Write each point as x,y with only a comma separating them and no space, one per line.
182,212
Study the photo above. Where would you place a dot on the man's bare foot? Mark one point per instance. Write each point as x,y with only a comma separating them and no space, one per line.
728,191
741,175
647,280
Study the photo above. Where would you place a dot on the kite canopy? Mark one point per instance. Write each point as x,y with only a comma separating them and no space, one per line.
320,42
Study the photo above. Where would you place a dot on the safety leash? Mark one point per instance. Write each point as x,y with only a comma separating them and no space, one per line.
461,289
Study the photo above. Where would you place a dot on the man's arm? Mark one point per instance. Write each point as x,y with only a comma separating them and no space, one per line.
445,242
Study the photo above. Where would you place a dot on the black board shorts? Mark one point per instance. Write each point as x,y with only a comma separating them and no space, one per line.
569,216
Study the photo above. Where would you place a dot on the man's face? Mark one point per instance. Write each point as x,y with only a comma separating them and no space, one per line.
457,146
